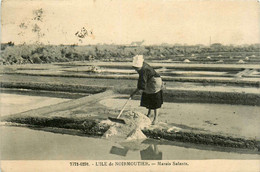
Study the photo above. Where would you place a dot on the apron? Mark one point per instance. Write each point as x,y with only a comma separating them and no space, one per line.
153,85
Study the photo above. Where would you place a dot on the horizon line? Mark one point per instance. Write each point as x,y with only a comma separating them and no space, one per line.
162,44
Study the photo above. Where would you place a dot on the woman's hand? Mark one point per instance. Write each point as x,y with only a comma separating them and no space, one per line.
133,93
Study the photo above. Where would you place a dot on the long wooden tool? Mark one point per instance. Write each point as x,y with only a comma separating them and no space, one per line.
117,119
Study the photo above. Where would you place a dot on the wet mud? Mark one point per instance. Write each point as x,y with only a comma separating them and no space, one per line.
202,138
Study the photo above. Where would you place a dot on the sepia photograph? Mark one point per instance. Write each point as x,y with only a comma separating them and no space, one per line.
131,85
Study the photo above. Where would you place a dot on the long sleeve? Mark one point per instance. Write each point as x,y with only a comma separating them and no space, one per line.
145,74
142,80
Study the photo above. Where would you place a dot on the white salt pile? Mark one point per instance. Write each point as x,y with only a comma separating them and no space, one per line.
220,61
241,61
136,134
186,61
135,122
165,126
112,131
134,145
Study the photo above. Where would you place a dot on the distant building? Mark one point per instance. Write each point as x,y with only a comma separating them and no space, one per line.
137,43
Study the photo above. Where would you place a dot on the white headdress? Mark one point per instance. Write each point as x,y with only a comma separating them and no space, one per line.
138,61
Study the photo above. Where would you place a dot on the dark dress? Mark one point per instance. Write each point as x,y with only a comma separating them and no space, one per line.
152,100
150,154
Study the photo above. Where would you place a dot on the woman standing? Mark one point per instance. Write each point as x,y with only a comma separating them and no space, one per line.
150,84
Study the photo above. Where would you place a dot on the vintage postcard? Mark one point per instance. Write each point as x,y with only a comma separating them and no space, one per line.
130,85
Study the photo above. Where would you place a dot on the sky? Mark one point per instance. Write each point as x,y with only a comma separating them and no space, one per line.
125,21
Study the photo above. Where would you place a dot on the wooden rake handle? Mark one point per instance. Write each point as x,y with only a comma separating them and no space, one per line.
123,107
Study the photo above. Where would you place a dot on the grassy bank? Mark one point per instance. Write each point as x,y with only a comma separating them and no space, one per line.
171,95
55,87
228,81
203,138
204,96
93,127
85,126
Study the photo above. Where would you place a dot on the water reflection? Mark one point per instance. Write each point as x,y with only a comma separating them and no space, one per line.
150,149
19,143
118,151
149,152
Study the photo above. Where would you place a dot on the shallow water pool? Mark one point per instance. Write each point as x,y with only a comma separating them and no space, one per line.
19,143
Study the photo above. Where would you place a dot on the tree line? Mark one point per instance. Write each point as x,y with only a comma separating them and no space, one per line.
38,53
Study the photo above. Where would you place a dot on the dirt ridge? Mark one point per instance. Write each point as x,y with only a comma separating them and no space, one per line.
170,95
